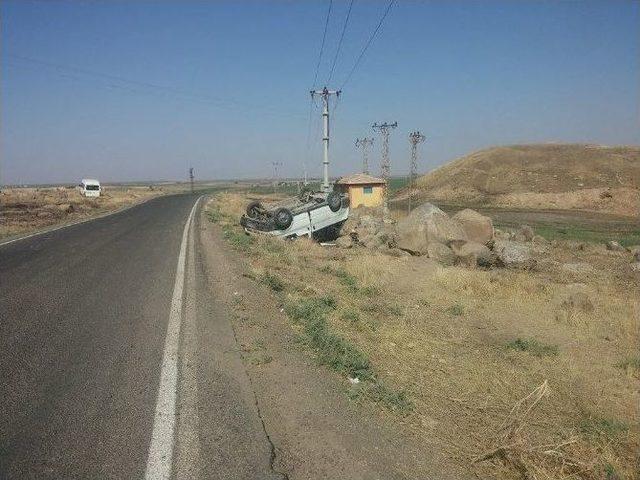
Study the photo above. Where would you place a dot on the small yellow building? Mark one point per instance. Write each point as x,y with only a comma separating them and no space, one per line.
363,189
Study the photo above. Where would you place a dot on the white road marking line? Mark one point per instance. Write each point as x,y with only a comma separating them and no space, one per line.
187,445
159,460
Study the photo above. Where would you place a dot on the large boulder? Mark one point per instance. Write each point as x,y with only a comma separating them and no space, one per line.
441,254
472,254
615,246
477,227
425,225
512,254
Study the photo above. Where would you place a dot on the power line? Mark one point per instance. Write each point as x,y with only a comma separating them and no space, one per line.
371,38
127,83
324,37
344,29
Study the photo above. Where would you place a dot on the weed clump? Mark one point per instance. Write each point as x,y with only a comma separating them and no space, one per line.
534,347
273,281
332,350
456,309
630,365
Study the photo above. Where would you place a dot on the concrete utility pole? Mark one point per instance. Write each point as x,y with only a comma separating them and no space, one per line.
191,178
385,165
325,94
364,143
414,138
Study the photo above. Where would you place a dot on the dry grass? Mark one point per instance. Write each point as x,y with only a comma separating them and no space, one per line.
443,336
547,176
25,210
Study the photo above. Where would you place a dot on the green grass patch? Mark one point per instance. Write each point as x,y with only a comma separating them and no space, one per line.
331,349
585,234
630,365
351,316
605,427
534,347
214,215
341,355
273,281
346,279
370,291
456,309
396,401
239,240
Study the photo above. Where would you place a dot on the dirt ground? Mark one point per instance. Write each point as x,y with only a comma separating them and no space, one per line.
512,374
26,210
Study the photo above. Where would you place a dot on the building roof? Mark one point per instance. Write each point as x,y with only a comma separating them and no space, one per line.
360,179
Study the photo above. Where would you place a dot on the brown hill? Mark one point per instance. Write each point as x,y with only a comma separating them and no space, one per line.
569,176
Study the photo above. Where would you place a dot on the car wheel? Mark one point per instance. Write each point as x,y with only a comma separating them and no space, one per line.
283,218
334,200
253,209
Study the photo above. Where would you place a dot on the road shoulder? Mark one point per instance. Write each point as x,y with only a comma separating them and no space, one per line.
316,431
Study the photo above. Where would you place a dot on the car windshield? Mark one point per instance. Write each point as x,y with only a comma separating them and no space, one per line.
92,187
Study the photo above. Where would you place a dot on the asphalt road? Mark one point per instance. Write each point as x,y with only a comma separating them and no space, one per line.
85,339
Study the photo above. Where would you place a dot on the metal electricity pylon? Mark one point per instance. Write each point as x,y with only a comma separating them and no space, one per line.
275,166
325,94
385,164
364,144
414,138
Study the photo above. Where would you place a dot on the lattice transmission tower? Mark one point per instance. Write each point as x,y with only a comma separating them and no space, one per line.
385,165
414,138
364,144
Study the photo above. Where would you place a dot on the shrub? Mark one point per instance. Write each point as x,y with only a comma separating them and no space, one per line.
533,347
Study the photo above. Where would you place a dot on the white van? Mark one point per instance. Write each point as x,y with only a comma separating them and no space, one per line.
89,187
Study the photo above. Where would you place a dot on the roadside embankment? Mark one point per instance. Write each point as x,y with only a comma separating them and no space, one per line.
536,364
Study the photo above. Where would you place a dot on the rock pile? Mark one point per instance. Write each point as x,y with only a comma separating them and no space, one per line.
468,238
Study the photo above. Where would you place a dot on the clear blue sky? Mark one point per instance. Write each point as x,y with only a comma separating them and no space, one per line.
140,90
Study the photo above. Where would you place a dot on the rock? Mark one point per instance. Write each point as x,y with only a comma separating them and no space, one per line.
44,214
370,241
540,240
579,268
477,227
441,253
396,252
635,267
635,252
425,225
344,242
525,233
515,255
578,300
387,237
614,246
501,235
471,254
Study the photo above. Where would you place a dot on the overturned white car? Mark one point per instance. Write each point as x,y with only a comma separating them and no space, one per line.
314,214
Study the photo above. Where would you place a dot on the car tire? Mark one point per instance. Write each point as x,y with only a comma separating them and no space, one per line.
334,200
283,218
252,208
